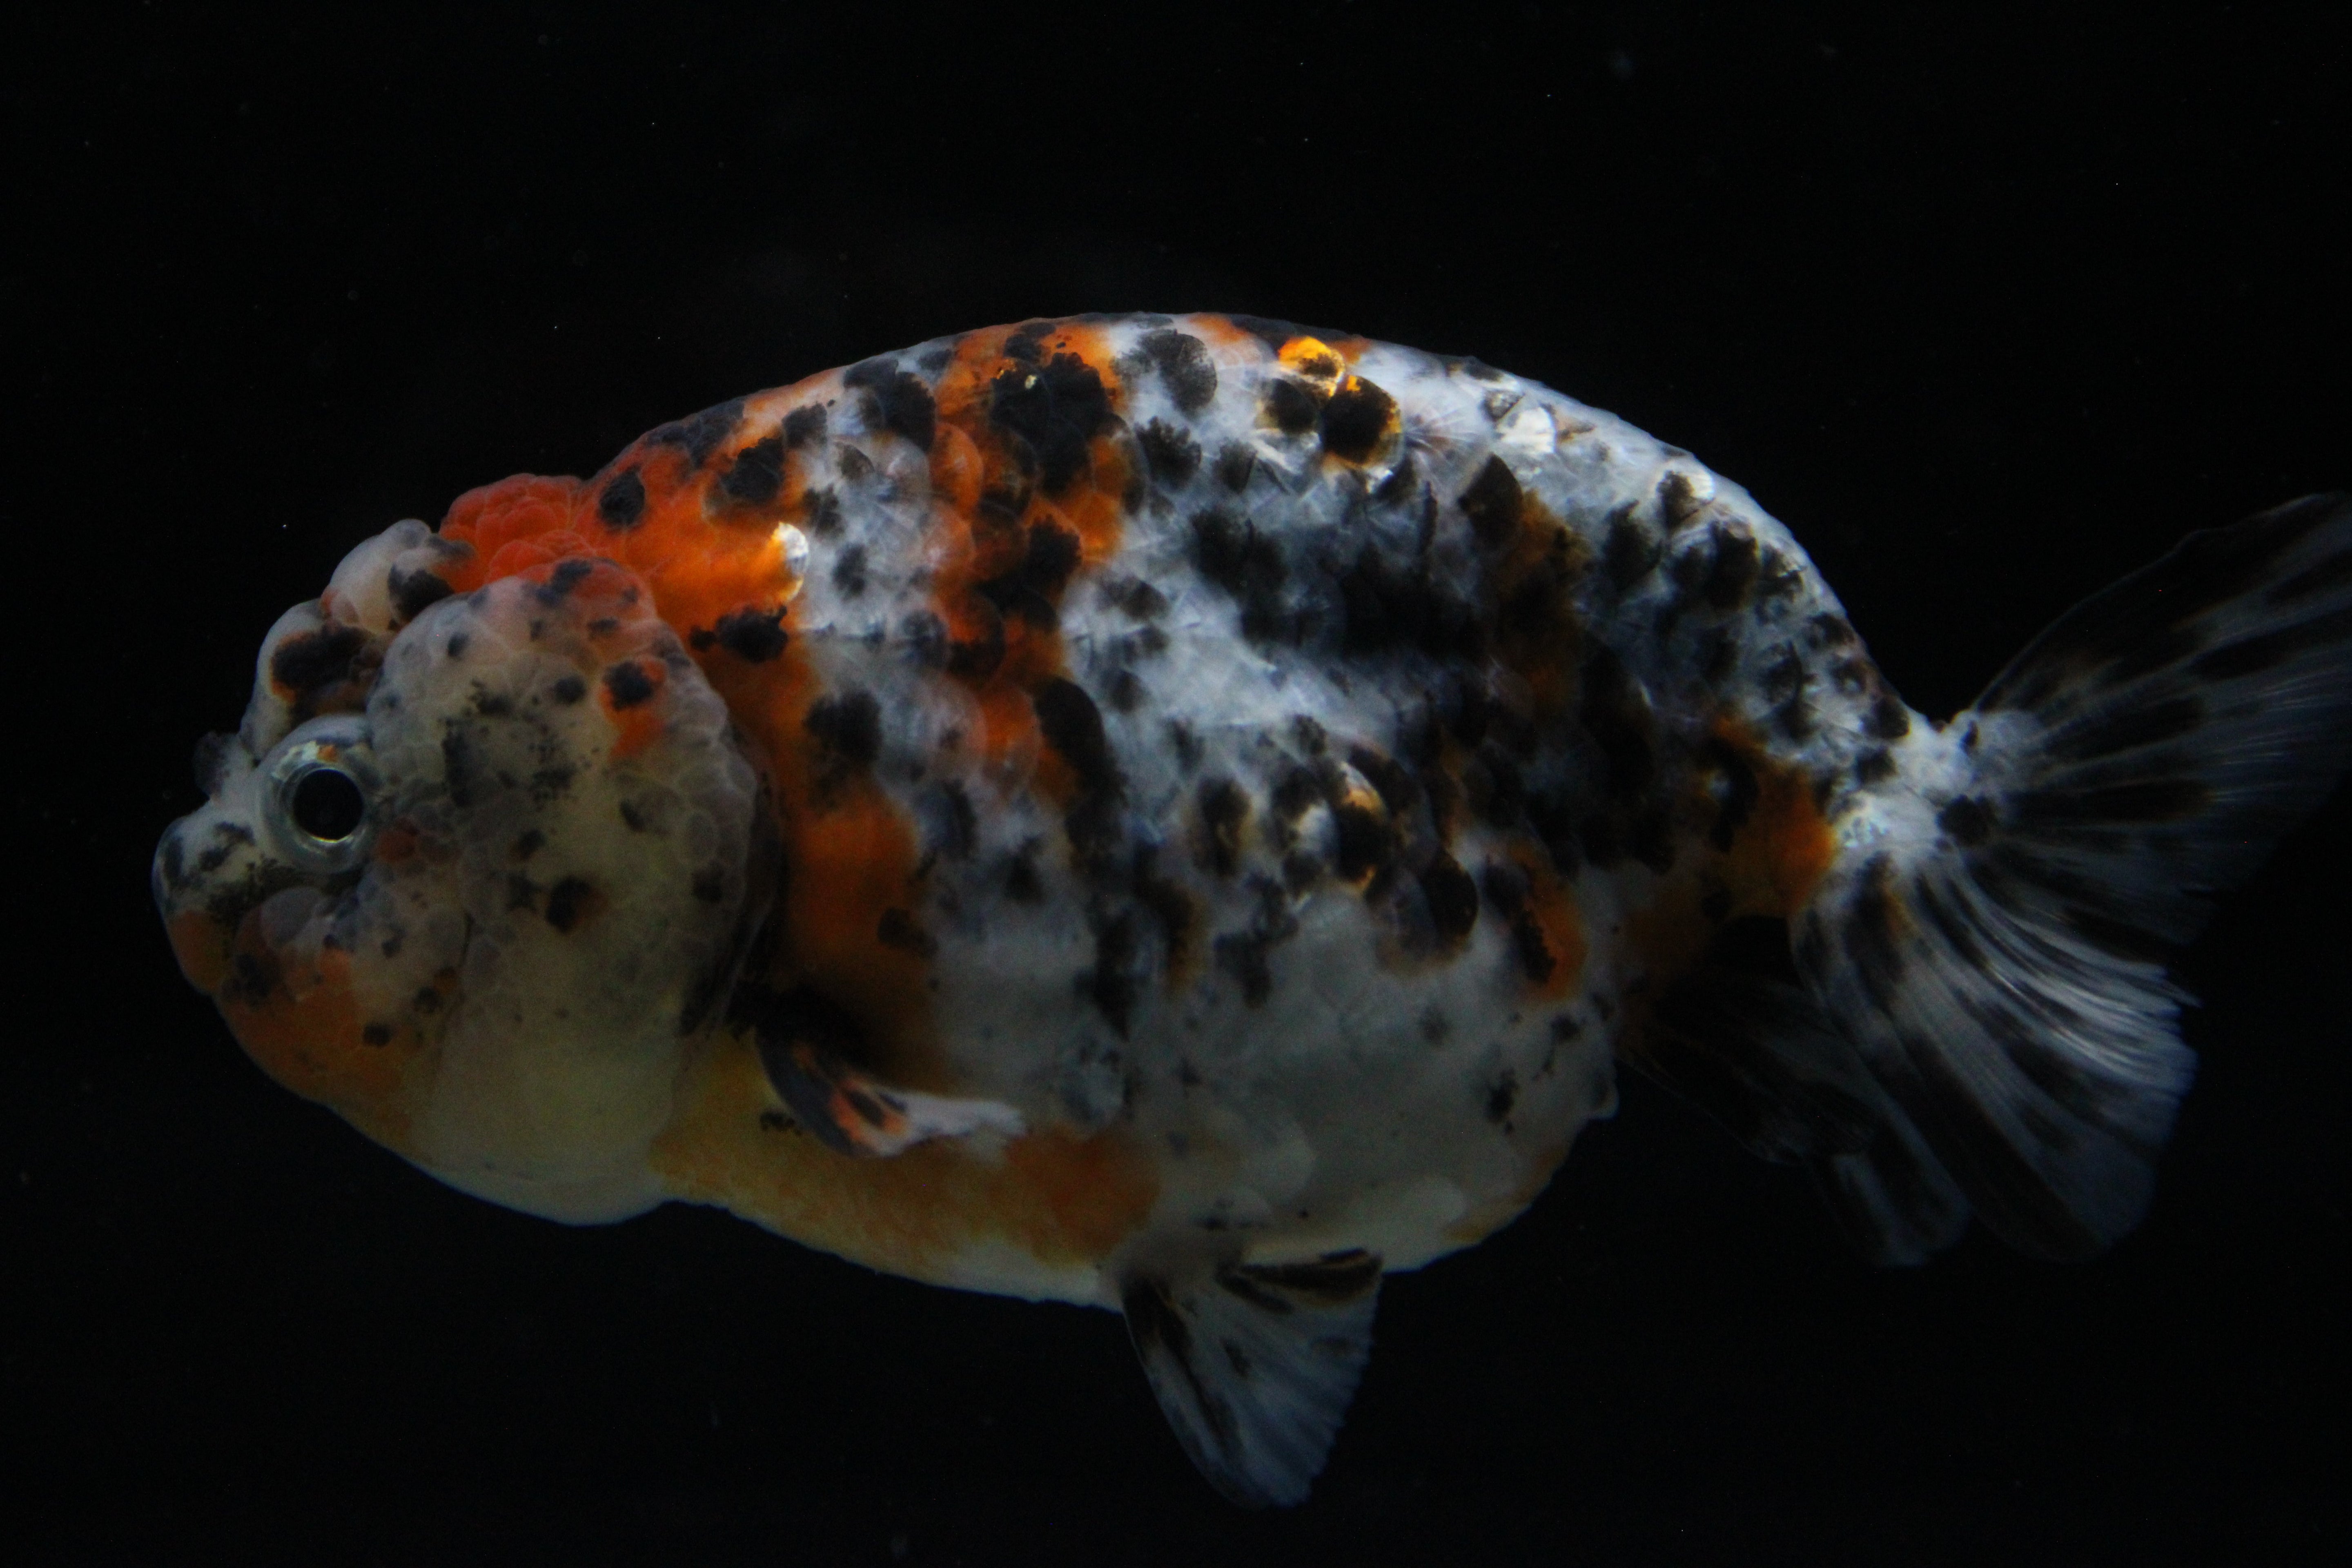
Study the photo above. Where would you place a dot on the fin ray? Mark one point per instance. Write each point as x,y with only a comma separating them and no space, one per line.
1254,1364
1991,936
1741,1039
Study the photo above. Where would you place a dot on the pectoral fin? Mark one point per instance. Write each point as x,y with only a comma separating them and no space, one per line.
1255,1363
849,1110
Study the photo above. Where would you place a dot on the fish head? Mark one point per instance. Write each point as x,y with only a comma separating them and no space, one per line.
478,868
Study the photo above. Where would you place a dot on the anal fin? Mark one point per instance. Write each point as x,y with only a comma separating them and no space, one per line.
1255,1364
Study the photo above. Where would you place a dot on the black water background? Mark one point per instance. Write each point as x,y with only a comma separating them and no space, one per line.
1989,308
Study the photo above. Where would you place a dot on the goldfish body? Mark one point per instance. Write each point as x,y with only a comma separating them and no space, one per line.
1185,814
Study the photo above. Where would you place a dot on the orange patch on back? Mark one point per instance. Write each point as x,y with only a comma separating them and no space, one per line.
1778,856
1785,848
1018,515
490,517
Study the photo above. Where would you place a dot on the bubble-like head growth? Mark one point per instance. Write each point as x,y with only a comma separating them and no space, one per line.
476,869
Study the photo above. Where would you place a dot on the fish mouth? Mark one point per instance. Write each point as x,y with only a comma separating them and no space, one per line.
208,895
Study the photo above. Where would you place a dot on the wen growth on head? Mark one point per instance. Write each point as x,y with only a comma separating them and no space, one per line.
1187,814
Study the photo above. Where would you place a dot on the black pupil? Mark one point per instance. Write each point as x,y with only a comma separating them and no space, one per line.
328,805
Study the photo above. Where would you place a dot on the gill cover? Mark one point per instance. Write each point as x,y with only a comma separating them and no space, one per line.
474,869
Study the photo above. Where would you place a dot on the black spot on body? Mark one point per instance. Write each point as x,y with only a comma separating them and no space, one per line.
1291,406
460,766
1055,411
1874,766
804,426
894,400
1717,650
1452,896
568,575
976,657
1224,813
1493,503
627,684
848,725
1368,844
1731,568
1073,726
1389,605
821,510
377,1035
305,663
1232,553
1033,587
1536,618
1185,368
1356,419
899,929
1171,453
1889,719
415,592
1235,464
701,434
1678,498
1785,681
1110,983
1027,341
567,902
1022,883
1501,1096
956,824
757,473
849,571
1631,550
1615,713
1297,789
1137,597
568,689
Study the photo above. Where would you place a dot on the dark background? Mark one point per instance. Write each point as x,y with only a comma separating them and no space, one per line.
1989,308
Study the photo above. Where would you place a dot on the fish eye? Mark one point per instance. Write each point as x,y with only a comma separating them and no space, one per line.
320,784
326,805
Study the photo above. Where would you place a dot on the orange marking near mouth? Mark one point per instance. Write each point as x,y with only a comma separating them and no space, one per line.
201,947
298,1021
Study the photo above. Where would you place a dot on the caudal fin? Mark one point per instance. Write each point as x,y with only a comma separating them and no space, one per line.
1993,936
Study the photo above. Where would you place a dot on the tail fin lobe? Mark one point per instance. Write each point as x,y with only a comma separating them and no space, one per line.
1990,937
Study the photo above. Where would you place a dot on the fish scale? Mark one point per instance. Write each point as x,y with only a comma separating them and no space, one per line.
1187,814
